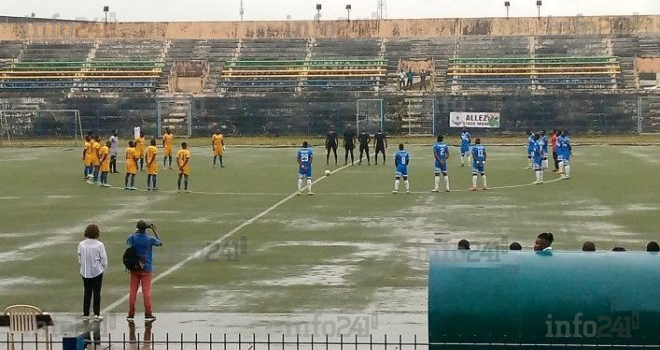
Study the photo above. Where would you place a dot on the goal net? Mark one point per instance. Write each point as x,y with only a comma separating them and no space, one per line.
40,124
369,116
420,117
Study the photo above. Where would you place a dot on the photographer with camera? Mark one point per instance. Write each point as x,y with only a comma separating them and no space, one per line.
142,244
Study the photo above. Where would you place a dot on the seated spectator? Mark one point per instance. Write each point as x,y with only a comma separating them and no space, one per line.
515,246
618,249
543,242
588,246
653,247
464,244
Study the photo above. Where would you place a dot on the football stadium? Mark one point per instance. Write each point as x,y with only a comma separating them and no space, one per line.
475,182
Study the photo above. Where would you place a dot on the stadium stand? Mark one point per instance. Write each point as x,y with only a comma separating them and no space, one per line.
113,65
292,66
535,72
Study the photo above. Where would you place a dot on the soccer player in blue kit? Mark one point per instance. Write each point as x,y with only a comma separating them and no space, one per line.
537,157
441,154
530,148
478,163
305,157
401,160
465,146
564,154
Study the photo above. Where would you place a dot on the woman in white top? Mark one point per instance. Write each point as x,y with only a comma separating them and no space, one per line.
93,261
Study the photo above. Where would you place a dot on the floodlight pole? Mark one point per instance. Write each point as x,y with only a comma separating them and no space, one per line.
318,12
539,3
105,24
507,4
348,9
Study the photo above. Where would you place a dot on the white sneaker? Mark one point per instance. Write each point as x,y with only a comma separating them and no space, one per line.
395,192
98,318
435,190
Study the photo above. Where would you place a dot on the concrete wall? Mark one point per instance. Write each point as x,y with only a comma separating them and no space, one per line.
68,30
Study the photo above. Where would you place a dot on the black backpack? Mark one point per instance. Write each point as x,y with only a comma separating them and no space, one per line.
132,260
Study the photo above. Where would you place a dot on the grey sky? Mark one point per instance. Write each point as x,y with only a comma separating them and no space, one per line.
260,10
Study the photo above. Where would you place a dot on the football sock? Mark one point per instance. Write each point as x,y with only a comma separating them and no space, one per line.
126,180
300,183
96,175
561,167
153,179
474,180
484,177
407,185
132,180
309,185
540,172
178,183
447,182
437,182
185,184
567,170
220,158
396,185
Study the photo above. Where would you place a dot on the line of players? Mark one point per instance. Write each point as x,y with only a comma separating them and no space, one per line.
401,159
537,153
99,160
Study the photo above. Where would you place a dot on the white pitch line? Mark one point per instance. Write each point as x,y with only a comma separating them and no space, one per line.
204,250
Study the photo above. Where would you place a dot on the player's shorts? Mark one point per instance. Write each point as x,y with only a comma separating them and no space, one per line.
478,168
331,146
465,150
131,169
566,157
349,146
152,169
545,155
401,170
218,151
380,148
440,167
141,153
185,171
305,172
105,167
167,151
538,163
560,156
364,148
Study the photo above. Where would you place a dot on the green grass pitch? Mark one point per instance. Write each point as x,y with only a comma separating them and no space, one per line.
353,246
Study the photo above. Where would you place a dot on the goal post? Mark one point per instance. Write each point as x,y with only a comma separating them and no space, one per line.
369,115
39,124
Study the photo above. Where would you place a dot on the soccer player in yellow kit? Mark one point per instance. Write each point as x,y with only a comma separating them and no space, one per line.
152,166
132,157
218,146
168,143
139,147
183,161
87,158
96,146
104,163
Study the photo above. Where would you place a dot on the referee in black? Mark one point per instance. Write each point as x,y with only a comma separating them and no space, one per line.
380,143
349,144
331,144
364,138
